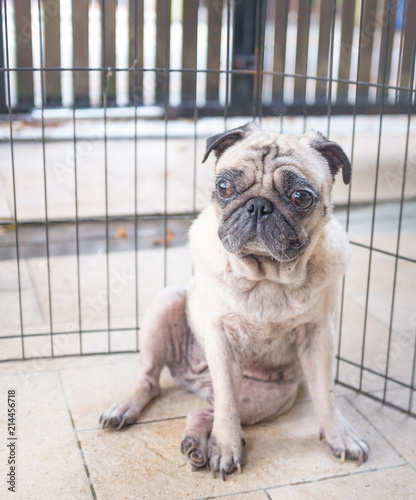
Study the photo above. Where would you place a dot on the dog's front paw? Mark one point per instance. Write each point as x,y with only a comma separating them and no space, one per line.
225,456
344,441
120,414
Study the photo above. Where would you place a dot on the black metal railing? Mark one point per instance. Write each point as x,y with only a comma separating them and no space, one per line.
261,57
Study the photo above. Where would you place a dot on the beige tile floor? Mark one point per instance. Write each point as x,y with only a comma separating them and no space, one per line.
62,452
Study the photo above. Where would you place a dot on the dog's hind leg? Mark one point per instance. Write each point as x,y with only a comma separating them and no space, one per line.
195,441
163,330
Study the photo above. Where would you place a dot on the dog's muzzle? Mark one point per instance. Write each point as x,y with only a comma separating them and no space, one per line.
259,228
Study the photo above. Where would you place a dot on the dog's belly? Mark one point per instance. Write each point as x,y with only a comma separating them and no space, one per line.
267,353
280,373
274,362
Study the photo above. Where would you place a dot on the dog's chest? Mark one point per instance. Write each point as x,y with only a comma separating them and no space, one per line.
266,302
266,320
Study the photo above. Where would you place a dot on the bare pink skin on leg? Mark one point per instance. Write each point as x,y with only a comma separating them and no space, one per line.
163,331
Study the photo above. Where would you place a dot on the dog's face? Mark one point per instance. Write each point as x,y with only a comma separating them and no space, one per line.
272,192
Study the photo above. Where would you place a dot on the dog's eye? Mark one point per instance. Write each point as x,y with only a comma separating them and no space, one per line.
301,199
225,188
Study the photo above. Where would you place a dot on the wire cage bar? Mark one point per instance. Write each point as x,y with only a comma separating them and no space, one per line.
104,109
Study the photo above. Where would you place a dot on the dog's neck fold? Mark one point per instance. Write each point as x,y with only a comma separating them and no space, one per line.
293,273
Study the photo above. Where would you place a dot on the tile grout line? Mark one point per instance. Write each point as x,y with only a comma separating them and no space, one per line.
338,476
230,495
81,451
378,431
309,481
125,428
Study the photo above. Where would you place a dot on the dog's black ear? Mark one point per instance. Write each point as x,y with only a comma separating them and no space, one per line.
334,155
219,143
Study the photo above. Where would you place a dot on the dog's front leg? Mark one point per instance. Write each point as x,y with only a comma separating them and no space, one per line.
316,354
225,452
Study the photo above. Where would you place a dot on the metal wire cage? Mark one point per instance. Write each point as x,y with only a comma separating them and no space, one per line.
106,106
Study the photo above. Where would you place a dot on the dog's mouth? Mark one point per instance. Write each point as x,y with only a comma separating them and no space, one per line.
257,248
262,231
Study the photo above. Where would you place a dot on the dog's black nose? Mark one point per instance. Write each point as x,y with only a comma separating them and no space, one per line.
259,207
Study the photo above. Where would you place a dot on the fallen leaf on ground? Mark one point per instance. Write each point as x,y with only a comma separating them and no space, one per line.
170,236
121,233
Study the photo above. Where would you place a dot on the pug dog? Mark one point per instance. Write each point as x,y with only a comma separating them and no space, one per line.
260,311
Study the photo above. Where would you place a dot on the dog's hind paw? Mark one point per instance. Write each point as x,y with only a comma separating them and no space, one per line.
195,451
120,414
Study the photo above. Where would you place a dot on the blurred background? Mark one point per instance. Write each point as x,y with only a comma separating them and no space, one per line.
105,107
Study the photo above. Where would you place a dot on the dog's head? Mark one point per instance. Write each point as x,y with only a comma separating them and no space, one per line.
273,191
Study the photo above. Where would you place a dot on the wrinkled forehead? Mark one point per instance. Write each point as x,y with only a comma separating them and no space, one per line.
268,153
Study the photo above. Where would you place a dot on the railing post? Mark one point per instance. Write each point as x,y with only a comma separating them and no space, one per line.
243,56
108,13
190,26
136,22
24,60
3,106
80,52
162,76
215,10
52,50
